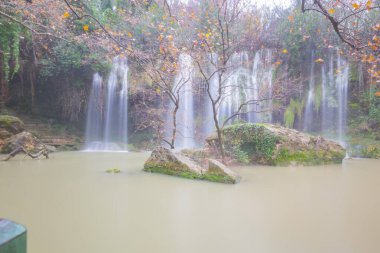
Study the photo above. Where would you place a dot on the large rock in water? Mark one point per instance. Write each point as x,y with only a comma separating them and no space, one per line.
165,161
276,145
24,139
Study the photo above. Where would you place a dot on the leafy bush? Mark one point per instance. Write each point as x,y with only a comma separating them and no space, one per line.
245,141
10,34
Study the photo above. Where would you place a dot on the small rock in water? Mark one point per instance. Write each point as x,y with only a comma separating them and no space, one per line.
113,170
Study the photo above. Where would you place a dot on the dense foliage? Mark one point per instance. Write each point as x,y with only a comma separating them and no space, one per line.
51,52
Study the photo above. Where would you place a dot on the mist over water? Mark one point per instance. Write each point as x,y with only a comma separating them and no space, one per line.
70,204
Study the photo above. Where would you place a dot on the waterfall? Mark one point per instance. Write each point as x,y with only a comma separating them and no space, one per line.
234,88
334,78
241,83
208,123
342,90
245,83
107,114
94,112
261,88
252,115
308,113
183,85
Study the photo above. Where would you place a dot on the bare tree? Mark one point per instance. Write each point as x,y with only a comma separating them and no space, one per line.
219,43
357,24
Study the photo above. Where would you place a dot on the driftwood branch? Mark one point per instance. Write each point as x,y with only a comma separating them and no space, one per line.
44,152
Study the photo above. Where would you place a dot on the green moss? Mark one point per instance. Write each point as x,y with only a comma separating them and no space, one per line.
213,177
289,117
294,109
274,145
318,97
173,169
287,157
8,121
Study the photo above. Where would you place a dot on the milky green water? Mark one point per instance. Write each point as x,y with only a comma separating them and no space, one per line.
70,205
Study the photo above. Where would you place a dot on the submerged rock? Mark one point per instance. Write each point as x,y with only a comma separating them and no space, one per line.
165,161
218,169
276,145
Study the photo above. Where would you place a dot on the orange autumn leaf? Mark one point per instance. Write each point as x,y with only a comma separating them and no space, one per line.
368,5
291,18
331,11
66,15
319,60
277,62
355,6
371,58
85,28
377,94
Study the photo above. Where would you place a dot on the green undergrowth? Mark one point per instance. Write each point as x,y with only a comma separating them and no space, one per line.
8,121
248,142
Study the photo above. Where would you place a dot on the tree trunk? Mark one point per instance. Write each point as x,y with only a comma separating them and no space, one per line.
218,130
174,133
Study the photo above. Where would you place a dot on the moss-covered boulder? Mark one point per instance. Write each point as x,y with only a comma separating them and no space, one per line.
166,161
276,145
11,124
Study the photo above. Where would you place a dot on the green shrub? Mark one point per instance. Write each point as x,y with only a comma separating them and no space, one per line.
247,141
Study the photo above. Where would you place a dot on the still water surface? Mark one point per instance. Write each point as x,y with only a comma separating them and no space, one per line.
70,205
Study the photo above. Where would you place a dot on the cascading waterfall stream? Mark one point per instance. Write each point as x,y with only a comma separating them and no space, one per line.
334,79
254,93
249,84
107,114
183,83
94,113
308,114
342,89
243,82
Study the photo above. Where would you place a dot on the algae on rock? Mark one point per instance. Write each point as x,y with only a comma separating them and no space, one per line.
167,162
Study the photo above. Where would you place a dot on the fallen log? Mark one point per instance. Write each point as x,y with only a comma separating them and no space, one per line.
44,152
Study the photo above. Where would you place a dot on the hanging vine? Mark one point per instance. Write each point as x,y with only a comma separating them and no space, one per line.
10,48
